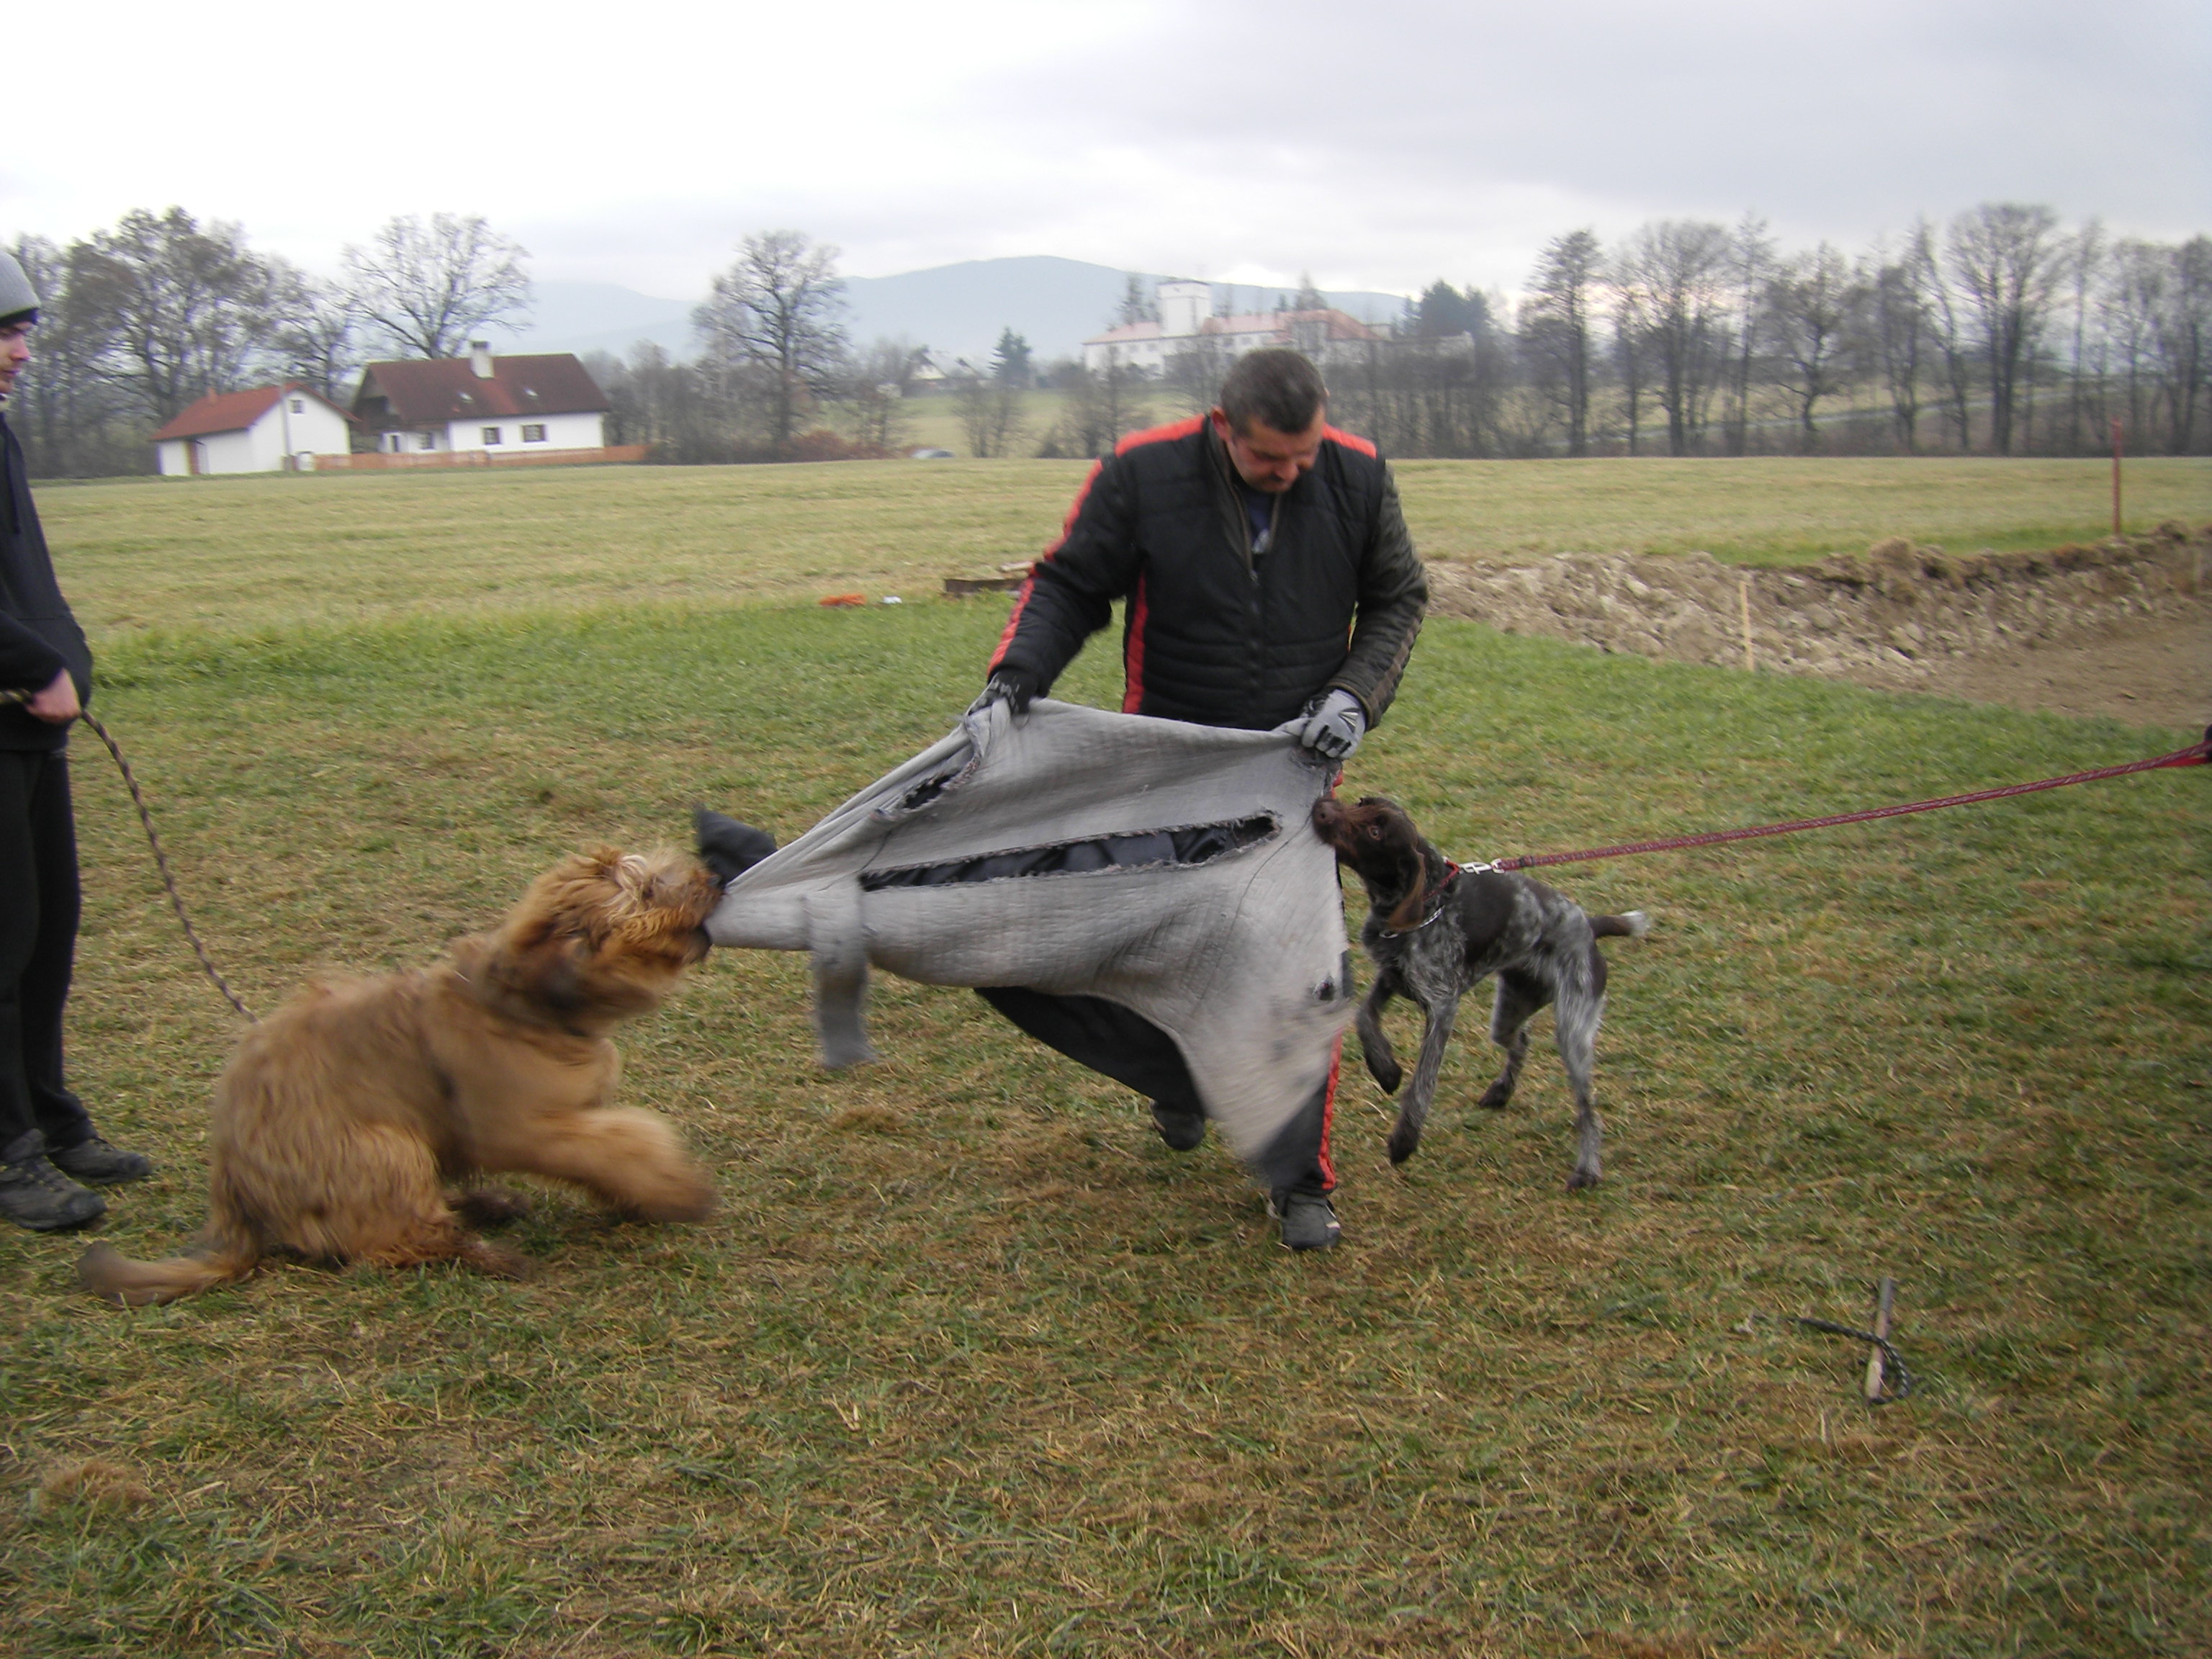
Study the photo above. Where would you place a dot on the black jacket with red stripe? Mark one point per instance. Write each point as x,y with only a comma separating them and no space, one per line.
1214,634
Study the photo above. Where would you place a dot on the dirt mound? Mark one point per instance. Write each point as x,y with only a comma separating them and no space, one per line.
2121,627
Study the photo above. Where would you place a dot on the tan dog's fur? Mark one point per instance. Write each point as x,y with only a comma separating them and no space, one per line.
342,1117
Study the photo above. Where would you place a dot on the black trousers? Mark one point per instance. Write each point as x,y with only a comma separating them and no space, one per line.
1117,1043
38,908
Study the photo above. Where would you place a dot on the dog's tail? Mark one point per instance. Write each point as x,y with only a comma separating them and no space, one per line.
106,1272
1631,924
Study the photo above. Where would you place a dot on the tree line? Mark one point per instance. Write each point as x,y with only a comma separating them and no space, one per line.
2001,331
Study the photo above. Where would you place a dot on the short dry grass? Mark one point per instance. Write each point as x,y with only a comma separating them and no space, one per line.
234,554
969,1363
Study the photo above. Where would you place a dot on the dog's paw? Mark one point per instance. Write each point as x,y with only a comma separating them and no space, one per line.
490,1206
1497,1097
1404,1142
1387,1072
695,1204
498,1261
1581,1178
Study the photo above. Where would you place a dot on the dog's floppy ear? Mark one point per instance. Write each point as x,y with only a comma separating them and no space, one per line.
1407,917
547,966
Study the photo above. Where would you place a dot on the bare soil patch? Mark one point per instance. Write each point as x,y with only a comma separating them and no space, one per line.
2121,628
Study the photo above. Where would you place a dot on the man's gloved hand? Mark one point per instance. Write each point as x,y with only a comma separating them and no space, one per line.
1009,686
1335,728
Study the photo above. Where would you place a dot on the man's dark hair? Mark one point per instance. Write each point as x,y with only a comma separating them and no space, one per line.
1279,388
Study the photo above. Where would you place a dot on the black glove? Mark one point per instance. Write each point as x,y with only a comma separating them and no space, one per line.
727,848
1010,686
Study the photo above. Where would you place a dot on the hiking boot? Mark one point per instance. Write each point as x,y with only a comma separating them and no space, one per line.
1309,1219
35,1194
1180,1126
96,1163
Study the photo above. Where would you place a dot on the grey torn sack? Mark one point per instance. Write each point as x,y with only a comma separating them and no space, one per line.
1168,868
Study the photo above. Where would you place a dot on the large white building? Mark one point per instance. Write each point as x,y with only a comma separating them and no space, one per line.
269,429
1187,320
499,405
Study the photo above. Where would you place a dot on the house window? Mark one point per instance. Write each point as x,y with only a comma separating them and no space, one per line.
533,434
395,445
299,406
426,440
491,436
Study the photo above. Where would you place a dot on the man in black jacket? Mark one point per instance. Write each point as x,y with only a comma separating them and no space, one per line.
48,1146
1270,581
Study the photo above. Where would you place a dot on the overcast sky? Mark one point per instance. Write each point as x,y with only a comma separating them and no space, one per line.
1378,146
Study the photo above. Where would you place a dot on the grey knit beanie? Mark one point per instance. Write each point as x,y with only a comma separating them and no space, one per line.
19,301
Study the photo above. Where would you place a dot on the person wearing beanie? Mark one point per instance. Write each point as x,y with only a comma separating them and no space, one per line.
50,1155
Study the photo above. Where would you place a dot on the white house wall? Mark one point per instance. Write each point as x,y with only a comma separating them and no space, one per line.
562,432
314,430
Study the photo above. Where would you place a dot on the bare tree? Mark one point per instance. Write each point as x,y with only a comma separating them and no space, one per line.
1629,333
1901,330
677,411
1812,310
1677,269
2085,257
992,415
179,309
430,288
874,400
774,319
1558,324
1193,372
1948,329
2005,258
1750,265
2183,330
320,334
74,419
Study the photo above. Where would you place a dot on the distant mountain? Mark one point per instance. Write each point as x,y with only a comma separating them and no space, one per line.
958,310
584,317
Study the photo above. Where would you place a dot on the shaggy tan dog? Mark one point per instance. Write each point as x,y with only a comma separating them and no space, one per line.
341,1117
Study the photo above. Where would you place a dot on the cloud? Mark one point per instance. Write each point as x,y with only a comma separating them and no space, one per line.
1376,148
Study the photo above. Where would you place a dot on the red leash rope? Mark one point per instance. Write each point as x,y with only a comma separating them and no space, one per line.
2196,754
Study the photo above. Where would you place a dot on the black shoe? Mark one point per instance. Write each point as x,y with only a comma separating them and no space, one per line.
1181,1128
96,1163
35,1194
1309,1219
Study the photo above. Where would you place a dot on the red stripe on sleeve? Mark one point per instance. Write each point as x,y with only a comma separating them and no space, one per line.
1133,653
1348,440
1022,599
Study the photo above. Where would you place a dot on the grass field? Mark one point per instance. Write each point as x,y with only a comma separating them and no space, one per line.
969,1363
242,553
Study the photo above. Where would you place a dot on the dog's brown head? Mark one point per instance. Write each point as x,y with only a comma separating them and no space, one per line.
600,937
1376,840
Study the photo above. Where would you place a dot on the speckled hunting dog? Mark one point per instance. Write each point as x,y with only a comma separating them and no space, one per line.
1435,929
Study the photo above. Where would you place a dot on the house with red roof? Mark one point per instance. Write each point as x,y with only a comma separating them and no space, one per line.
267,429
499,408
1187,321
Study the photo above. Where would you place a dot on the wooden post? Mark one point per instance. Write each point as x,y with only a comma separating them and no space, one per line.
2116,475
1743,608
1884,1300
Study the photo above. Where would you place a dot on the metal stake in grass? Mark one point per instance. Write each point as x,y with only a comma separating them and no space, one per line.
1884,1300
